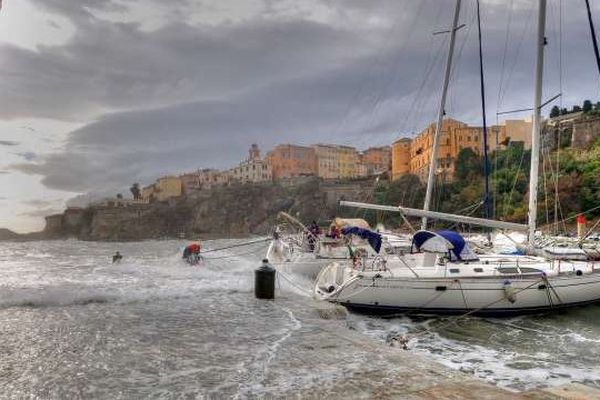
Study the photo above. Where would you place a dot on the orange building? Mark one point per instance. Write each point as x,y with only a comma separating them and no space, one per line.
377,160
401,157
290,161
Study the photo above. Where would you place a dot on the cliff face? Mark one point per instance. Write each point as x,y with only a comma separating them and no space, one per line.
224,211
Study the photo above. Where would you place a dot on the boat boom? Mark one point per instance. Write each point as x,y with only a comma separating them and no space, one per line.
413,212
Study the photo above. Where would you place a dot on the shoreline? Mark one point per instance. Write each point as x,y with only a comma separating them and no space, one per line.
413,375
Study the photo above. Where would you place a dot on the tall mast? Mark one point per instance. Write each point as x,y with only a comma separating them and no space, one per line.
438,127
486,196
535,134
593,31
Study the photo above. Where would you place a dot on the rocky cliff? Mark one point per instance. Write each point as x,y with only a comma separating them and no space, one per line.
220,212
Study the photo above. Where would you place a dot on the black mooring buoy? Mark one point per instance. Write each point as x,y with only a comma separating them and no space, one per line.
264,281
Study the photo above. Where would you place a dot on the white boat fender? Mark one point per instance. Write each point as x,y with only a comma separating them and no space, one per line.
510,292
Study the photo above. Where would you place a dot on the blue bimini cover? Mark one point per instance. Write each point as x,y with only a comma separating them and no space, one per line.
373,238
441,242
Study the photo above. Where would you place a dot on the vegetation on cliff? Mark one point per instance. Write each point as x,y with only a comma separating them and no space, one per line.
578,182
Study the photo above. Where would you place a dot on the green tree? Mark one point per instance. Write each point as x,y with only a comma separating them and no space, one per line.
563,111
135,191
468,166
587,106
555,112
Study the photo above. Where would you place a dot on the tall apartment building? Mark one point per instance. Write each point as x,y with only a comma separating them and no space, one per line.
290,161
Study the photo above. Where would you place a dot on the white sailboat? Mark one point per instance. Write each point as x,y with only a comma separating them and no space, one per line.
305,253
440,275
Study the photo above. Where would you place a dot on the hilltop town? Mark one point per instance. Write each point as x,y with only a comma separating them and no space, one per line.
287,162
334,171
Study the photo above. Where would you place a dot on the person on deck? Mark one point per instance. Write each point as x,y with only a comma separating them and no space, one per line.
334,232
313,235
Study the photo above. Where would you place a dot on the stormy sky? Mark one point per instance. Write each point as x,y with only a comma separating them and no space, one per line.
98,94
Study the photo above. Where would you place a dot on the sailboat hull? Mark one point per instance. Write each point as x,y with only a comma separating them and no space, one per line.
486,296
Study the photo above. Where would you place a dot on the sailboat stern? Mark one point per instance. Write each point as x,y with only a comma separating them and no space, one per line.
331,281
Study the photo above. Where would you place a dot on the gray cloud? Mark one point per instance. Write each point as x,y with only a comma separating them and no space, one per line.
8,143
26,155
38,203
191,94
41,212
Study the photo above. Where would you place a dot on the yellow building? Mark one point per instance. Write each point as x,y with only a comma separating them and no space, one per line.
448,148
413,155
335,161
347,161
167,187
149,193
517,130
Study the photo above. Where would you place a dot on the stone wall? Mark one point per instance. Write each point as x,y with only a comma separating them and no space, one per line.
586,130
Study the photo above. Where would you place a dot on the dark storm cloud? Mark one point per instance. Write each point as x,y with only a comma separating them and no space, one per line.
198,95
109,66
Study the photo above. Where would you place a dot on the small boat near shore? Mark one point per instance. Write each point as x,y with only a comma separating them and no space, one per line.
307,253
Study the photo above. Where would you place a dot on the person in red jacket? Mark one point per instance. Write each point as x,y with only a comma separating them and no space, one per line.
191,253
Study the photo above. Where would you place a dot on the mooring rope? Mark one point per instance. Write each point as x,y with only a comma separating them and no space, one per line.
236,245
287,278
453,320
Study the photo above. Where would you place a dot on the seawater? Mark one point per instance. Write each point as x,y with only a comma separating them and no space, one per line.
72,324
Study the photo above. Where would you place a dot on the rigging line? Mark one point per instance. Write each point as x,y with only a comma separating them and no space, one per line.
512,189
593,33
506,39
544,104
544,182
432,61
456,69
384,88
559,135
361,87
420,100
526,29
582,212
